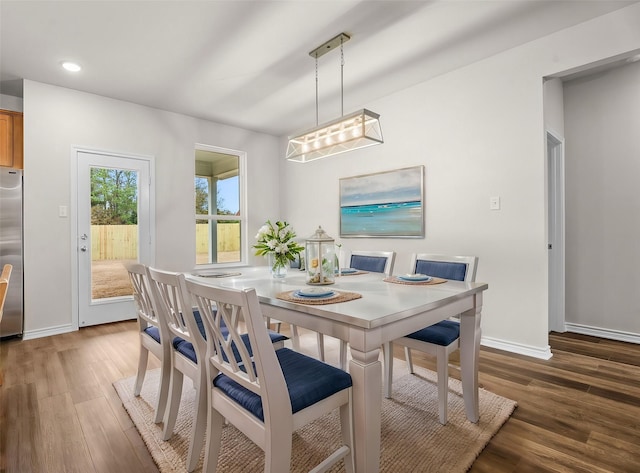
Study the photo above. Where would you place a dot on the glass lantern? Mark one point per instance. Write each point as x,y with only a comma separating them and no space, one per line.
320,255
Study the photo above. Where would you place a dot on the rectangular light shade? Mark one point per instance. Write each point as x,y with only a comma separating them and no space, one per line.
349,132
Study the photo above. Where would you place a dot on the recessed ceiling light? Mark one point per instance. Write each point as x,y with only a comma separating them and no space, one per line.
71,66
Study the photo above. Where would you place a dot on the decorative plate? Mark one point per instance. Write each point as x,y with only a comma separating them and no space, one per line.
415,277
314,292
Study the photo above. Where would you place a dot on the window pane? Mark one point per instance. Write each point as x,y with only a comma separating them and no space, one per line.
202,196
224,236
228,196
228,242
114,230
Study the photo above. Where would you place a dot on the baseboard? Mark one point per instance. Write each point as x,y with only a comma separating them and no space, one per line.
603,333
47,332
528,350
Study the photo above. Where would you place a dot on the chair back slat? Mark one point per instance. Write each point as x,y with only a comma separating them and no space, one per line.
142,294
226,350
171,301
227,353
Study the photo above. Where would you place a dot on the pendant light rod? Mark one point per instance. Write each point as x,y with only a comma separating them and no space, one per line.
341,78
323,49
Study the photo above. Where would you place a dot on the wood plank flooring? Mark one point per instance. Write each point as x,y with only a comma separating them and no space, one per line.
577,412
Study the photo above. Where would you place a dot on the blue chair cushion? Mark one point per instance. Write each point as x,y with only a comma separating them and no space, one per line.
308,381
374,264
153,332
186,348
442,269
443,333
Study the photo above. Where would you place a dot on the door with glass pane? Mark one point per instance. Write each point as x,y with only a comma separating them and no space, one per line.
113,215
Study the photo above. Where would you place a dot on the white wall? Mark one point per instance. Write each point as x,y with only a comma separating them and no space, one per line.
602,114
554,107
479,131
9,102
55,119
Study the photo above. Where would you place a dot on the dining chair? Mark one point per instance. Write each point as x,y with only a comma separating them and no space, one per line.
185,326
154,336
373,261
267,393
4,288
4,285
440,339
370,261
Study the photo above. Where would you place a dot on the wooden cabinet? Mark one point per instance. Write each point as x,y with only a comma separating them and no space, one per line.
11,140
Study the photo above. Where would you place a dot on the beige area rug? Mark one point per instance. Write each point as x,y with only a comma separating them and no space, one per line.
412,438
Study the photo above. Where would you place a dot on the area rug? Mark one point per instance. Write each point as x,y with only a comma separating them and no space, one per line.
412,438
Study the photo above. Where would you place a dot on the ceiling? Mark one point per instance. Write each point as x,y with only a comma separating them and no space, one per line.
246,63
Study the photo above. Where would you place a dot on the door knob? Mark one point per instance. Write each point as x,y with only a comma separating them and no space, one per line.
83,248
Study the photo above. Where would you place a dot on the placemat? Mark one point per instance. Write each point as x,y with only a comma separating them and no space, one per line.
432,281
342,296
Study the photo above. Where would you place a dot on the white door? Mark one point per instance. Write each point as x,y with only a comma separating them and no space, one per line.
555,166
114,213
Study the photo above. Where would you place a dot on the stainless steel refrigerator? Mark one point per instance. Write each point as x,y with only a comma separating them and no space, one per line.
11,249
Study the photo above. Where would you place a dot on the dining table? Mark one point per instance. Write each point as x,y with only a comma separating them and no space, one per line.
379,309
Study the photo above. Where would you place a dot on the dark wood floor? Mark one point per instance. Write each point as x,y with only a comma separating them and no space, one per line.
577,412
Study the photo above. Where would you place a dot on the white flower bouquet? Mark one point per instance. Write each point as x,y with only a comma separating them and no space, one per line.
277,241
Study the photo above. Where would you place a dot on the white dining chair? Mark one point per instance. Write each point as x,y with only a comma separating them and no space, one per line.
7,269
185,326
154,336
266,393
440,339
370,261
172,303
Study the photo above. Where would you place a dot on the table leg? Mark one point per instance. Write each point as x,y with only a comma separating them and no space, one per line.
366,372
470,334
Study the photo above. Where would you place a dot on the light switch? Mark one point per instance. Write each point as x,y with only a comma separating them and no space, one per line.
494,203
63,211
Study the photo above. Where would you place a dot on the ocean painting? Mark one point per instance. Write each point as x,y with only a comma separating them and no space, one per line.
385,204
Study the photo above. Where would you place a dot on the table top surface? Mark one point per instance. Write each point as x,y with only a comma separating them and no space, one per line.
381,303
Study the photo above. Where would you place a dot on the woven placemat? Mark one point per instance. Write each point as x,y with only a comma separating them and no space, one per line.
341,296
431,281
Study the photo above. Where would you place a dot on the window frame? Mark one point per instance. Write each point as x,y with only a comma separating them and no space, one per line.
242,205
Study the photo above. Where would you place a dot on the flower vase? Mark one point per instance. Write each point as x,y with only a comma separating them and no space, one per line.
277,268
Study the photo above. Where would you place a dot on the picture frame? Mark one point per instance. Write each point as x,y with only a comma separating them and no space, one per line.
387,204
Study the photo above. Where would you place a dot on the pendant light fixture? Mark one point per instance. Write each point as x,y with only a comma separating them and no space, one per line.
356,130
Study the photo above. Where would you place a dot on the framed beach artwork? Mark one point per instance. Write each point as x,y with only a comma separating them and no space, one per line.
384,204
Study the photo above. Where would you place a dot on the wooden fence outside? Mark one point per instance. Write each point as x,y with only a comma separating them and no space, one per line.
118,242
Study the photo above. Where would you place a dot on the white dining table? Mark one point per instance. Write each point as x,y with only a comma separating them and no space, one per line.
385,311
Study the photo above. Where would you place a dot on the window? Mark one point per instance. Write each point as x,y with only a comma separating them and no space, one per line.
219,196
